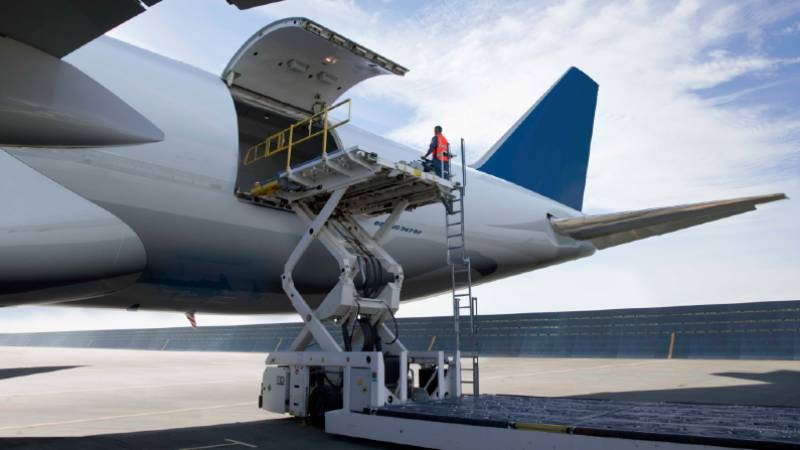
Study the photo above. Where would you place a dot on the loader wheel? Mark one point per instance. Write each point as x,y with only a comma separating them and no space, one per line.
322,399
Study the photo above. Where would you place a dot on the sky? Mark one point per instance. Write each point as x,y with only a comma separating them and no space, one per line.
698,100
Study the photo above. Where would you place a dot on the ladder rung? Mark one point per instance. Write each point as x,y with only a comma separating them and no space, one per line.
455,248
467,381
453,224
450,236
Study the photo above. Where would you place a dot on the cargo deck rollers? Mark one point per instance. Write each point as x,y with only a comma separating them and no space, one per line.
371,386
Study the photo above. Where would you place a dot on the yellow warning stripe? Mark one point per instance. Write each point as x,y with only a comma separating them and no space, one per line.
265,189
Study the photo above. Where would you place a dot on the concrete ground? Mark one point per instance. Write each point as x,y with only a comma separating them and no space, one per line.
58,398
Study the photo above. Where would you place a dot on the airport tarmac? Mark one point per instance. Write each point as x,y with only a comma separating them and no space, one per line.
57,398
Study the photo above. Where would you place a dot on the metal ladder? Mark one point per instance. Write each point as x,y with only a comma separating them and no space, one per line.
461,277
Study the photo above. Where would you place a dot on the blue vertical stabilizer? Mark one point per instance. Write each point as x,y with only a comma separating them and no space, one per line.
547,150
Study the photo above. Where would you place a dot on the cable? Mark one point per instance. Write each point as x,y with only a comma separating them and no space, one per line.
348,337
355,322
325,375
396,330
348,345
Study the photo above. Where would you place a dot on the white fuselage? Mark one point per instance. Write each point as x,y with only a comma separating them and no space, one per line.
209,251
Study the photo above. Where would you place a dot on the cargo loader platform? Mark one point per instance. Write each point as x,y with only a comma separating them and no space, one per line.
522,422
374,185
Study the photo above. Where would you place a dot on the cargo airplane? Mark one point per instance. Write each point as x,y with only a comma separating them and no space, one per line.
123,184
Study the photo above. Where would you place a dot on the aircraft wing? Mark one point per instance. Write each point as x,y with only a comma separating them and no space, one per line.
609,230
59,27
47,102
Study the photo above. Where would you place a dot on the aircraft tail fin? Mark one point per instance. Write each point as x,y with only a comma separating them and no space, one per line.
547,150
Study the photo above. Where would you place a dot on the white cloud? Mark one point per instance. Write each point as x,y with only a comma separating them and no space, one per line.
791,29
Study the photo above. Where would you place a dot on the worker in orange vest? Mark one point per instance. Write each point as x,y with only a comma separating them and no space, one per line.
440,149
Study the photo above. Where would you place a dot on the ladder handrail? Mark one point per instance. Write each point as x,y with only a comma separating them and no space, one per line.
461,279
463,165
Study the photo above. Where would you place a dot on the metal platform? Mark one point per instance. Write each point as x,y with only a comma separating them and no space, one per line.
375,185
512,421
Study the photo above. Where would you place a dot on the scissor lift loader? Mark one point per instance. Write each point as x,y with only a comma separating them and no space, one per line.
370,367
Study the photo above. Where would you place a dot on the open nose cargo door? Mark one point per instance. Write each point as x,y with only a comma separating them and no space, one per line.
286,72
301,64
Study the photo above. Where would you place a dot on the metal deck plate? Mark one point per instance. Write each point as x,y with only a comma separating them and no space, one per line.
375,185
721,425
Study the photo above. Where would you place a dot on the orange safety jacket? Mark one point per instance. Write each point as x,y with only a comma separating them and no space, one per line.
442,147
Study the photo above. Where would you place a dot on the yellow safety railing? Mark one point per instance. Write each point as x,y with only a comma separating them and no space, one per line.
298,133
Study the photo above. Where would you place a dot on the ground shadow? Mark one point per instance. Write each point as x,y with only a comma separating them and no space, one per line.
26,371
776,388
263,434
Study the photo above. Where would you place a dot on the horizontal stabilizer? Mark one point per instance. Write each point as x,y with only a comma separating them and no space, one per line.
608,230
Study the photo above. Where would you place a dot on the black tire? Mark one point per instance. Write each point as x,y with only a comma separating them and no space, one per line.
322,400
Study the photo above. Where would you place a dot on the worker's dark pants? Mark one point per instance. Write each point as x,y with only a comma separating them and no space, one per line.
441,168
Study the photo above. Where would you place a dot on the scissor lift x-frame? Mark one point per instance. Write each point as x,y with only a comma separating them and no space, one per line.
326,193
